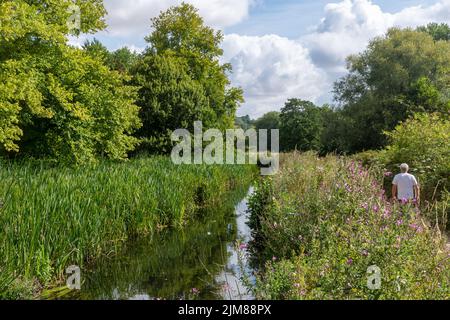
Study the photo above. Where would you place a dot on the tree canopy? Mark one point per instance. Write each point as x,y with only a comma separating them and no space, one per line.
55,100
399,74
181,78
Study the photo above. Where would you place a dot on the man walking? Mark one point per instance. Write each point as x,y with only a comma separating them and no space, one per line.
405,186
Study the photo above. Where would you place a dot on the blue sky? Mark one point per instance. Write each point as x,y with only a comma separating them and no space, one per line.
279,49
293,18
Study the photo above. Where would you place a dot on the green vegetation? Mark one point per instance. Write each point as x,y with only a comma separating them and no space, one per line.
46,110
182,80
53,217
321,223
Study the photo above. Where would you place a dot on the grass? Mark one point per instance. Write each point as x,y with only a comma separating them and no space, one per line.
55,216
322,222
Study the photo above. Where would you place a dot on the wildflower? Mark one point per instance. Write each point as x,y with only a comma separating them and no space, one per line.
365,253
297,285
195,291
404,201
243,246
376,208
386,213
274,258
388,174
365,205
348,188
399,222
350,261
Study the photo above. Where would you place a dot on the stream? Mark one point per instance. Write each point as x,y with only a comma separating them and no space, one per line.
203,262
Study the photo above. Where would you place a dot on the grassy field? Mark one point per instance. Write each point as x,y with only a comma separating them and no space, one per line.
322,222
55,216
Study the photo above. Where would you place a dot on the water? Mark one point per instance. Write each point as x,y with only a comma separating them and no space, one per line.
200,262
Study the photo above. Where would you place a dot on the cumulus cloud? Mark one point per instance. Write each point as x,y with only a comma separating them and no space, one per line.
348,26
132,17
271,69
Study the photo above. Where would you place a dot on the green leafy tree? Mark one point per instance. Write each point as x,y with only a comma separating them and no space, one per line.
123,60
398,75
301,126
439,31
58,101
182,79
170,100
244,122
270,120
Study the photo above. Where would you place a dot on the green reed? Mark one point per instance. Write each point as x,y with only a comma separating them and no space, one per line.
55,216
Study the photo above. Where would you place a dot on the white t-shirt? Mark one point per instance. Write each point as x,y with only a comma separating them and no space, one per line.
405,185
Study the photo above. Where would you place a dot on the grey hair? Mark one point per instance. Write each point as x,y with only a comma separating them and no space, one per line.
404,167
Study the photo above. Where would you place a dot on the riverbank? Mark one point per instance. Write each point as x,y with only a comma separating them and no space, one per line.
53,216
325,230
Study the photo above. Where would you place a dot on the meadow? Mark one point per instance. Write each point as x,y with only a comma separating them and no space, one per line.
322,226
53,216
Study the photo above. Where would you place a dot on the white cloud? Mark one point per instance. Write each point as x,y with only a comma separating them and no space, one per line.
348,26
271,69
132,17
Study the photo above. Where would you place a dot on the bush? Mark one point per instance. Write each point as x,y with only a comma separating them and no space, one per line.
423,143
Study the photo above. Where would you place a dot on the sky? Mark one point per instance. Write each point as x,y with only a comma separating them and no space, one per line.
279,49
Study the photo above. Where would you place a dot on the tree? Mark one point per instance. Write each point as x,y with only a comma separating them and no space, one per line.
58,101
437,31
270,120
183,55
398,75
170,100
244,122
123,60
301,126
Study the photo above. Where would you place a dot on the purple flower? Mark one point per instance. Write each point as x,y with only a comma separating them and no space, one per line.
376,208
365,206
388,174
243,246
297,285
350,261
365,253
348,188
404,201
195,291
399,222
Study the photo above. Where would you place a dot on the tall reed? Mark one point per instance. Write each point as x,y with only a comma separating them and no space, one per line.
55,216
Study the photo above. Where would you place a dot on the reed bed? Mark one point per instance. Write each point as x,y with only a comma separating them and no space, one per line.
55,216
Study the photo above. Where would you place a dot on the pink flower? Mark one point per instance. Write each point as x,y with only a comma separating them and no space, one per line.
376,208
195,291
350,261
274,258
243,246
388,174
399,222
297,285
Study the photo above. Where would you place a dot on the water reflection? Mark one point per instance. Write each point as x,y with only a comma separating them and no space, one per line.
200,262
